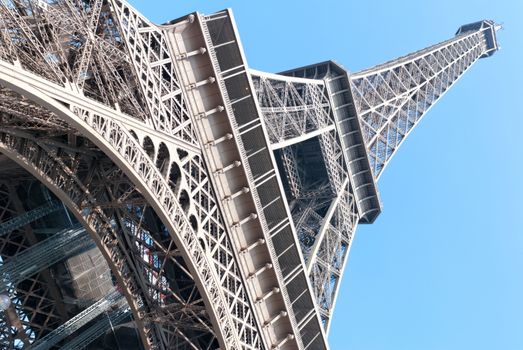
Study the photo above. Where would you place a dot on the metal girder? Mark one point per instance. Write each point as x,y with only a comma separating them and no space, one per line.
29,217
204,211
292,171
332,251
325,224
243,172
326,228
108,320
184,182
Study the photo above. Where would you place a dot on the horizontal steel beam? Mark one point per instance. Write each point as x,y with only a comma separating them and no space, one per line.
34,259
28,217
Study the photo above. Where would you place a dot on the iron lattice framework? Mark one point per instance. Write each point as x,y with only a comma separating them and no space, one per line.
391,98
212,205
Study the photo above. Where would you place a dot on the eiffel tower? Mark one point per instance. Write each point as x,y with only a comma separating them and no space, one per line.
157,193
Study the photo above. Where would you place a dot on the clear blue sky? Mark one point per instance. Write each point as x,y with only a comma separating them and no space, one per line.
441,268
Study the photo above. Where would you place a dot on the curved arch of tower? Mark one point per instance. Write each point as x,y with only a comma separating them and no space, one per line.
157,193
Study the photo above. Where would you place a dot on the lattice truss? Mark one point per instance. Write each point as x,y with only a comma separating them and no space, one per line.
92,107
393,97
389,99
326,226
291,109
297,111
105,75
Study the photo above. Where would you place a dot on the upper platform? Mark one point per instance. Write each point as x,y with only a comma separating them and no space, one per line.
489,29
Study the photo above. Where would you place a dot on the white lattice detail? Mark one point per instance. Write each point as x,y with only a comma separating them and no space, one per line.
151,57
154,68
293,109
